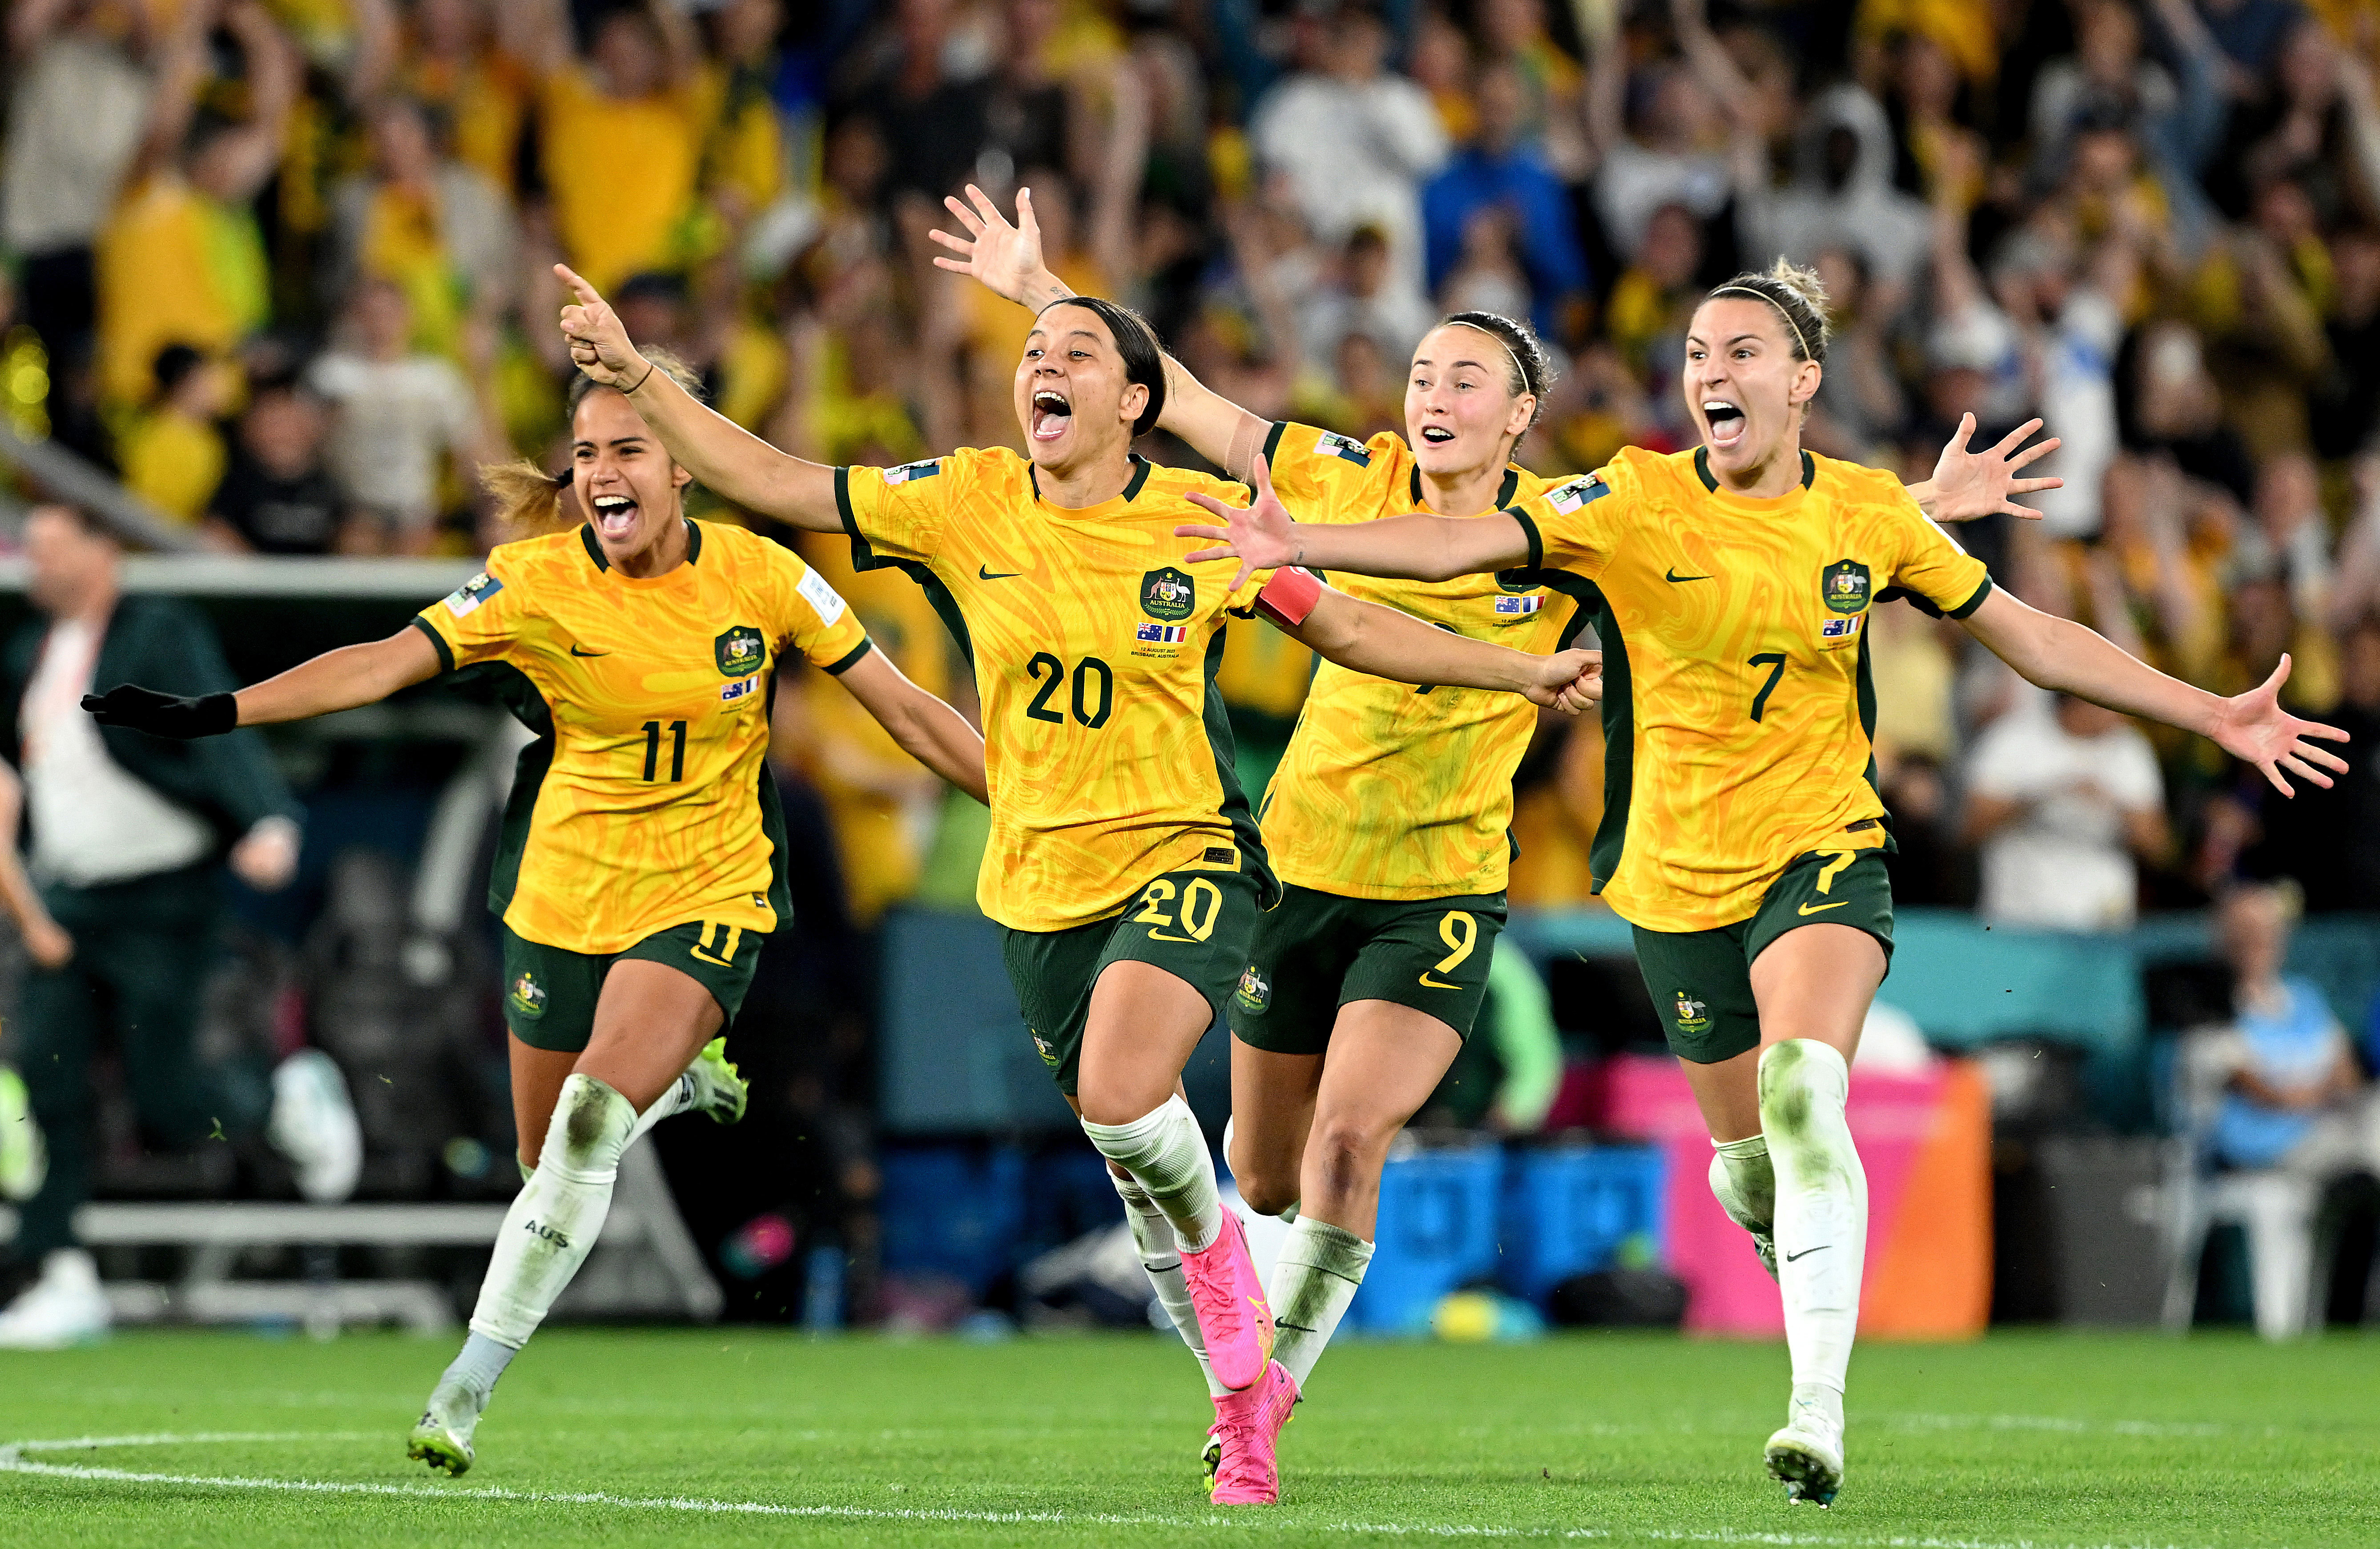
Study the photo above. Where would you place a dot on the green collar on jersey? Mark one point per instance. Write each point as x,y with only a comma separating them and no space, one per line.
1701,469
595,548
1503,490
1140,467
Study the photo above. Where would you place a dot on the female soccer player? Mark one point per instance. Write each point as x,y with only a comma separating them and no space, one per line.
1387,819
1741,838
643,855
1123,859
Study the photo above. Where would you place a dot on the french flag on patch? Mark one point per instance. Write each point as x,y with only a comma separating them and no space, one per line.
1519,604
1840,629
1162,634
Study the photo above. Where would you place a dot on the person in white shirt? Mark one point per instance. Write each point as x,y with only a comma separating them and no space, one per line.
123,912
2063,799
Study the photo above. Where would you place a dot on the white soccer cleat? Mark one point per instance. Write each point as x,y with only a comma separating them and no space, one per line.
64,1307
24,1160
314,1125
1806,1456
719,1091
442,1438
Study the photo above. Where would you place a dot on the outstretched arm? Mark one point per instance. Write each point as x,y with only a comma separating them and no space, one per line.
1367,638
340,679
730,460
2059,654
1969,484
1006,260
1262,537
930,731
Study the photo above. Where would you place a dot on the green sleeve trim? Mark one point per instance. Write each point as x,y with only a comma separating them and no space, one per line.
1273,440
445,651
1972,603
843,504
1537,543
850,659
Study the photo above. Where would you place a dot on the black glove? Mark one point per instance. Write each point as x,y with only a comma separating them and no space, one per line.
129,705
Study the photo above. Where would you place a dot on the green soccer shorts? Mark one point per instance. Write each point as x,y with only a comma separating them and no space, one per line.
1317,951
550,991
1701,981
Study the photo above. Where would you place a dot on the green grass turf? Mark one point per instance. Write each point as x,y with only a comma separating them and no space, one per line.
2029,1439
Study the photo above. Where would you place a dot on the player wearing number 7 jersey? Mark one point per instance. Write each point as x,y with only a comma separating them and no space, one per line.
1742,835
642,856
1123,859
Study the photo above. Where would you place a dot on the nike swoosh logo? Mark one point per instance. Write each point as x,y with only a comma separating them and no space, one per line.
1821,908
1429,984
983,574
575,651
1673,576
1807,1251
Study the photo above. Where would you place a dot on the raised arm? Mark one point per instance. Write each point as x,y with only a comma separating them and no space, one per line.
2059,654
1384,642
730,460
1262,537
340,679
1006,260
930,731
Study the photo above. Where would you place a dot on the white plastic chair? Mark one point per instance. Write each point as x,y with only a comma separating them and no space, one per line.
2274,1209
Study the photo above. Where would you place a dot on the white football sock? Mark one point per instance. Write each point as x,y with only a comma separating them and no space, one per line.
555,1218
1167,1157
1744,1182
677,1098
1821,1218
1162,1259
1312,1281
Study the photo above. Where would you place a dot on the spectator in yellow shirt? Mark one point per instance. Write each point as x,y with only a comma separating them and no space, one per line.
173,456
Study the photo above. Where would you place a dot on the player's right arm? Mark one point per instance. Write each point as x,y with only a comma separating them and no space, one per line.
729,460
1425,548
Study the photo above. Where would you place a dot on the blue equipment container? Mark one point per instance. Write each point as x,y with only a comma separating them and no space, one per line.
1436,1233
1573,1209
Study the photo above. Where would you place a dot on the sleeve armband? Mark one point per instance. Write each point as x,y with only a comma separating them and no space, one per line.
1289,596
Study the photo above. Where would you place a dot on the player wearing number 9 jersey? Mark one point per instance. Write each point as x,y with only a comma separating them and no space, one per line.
1123,861
642,859
1741,835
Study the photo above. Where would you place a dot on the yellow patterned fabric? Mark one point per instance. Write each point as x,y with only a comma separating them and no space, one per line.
1094,643
645,801
1389,791
1738,703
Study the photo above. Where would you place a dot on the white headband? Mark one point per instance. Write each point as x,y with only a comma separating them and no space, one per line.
1782,311
1518,369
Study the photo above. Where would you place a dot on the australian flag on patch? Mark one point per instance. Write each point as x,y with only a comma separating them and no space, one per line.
1330,444
1840,629
1519,604
1162,634
908,472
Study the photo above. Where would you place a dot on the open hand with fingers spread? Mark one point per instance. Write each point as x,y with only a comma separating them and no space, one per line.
1261,537
1006,259
599,342
1968,484
2253,729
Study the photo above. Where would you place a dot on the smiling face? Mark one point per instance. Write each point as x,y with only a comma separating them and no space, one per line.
1461,411
626,484
1744,387
1072,395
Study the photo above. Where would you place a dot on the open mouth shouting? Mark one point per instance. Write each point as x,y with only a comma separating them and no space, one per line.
616,516
1725,423
1437,436
1051,413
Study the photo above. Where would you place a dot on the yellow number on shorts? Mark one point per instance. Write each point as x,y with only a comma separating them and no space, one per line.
1459,931
1202,905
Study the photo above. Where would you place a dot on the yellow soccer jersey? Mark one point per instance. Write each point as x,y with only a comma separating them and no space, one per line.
645,801
1390,791
1094,644
1737,702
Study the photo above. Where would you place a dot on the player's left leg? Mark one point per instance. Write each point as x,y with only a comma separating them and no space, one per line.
1813,985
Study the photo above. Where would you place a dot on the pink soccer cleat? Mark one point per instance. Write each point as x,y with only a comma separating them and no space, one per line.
1246,1425
1233,1318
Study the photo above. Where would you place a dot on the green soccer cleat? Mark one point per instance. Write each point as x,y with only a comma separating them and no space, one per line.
718,1090
442,1436
1806,1456
24,1161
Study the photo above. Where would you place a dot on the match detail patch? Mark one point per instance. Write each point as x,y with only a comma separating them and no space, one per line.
742,687
1517,606
819,595
1162,634
467,598
1566,499
912,470
1330,444
1840,629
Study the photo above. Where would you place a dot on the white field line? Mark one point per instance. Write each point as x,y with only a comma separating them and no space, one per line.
13,1459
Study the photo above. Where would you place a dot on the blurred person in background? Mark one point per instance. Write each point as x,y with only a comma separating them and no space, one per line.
2062,800
449,62
279,496
2328,841
401,420
129,837
434,227
1364,294
1502,166
173,454
2294,1097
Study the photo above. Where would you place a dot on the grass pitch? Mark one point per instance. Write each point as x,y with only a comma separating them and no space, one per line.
737,1437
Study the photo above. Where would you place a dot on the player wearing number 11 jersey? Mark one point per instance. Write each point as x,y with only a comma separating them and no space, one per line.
1123,861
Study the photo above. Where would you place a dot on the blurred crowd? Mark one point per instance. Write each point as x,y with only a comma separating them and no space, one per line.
282,267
